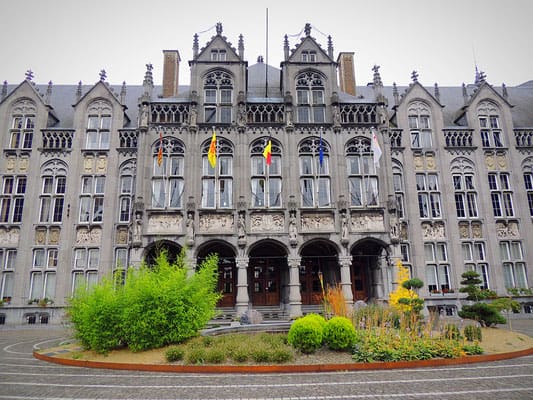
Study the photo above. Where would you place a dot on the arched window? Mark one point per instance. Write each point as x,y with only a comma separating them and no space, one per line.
310,98
218,97
464,187
362,177
23,124
419,118
489,124
126,191
98,125
399,188
266,179
315,181
53,189
168,173
217,182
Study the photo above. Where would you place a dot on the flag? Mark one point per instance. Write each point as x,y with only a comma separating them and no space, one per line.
376,149
267,153
160,151
212,153
320,151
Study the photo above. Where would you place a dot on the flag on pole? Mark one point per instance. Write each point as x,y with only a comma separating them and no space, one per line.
267,153
376,150
160,151
212,153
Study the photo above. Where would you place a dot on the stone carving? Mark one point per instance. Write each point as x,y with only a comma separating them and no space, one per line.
40,236
476,230
267,222
430,161
367,222
23,164
193,116
88,236
344,227
101,165
293,230
404,233
464,230
88,164
419,162
489,160
10,164
433,231
317,222
122,236
9,236
507,230
168,223
241,228
216,223
53,236
190,229
502,162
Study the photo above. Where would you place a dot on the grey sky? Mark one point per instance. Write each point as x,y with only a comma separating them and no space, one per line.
67,40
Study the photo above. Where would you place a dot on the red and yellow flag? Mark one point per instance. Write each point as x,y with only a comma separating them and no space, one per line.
160,151
267,153
212,153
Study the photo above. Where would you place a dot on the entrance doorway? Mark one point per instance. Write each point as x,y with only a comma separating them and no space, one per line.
266,263
227,271
365,256
172,249
319,261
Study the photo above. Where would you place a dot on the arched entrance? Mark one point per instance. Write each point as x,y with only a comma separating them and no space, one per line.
319,258
365,269
267,260
227,271
152,251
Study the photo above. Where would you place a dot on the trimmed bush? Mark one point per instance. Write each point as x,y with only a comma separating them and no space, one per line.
483,313
305,334
174,354
451,331
316,317
472,333
339,333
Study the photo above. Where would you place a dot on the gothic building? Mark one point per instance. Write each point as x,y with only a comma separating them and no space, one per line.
95,178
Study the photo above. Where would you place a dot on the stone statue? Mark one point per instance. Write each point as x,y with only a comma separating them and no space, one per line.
193,115
292,228
190,228
241,227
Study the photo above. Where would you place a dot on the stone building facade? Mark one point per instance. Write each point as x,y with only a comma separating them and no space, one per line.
95,178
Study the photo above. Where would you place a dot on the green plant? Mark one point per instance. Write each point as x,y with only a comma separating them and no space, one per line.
305,334
215,356
472,349
472,333
451,331
174,354
196,355
155,307
508,305
339,333
471,284
315,317
483,313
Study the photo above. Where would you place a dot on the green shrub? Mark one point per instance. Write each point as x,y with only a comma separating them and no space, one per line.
483,313
305,334
174,354
451,331
215,356
339,333
472,349
156,306
472,333
281,355
260,354
196,355
240,355
316,317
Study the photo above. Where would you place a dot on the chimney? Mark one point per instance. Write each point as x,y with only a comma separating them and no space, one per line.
346,73
171,69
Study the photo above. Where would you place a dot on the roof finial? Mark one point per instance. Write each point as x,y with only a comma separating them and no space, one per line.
395,94
241,46
286,47
330,47
148,82
414,76
123,93
29,75
377,76
4,90
219,28
307,29
437,92
504,91
103,75
195,46
49,92
465,94
78,91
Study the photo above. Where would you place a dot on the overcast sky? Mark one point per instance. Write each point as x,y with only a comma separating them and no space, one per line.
66,41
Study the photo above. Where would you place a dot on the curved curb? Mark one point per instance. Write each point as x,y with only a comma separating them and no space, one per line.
265,369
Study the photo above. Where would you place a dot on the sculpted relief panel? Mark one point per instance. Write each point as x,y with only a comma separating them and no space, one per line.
367,222
317,223
216,223
267,222
167,223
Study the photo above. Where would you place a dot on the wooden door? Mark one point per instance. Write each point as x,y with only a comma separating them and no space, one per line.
265,282
226,284
310,288
359,281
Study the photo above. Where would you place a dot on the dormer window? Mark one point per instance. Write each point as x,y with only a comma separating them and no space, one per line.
218,55
218,97
310,98
308,56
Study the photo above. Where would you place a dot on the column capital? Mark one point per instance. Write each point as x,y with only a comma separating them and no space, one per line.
242,262
294,262
345,260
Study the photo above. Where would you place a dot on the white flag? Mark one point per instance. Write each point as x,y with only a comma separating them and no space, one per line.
376,149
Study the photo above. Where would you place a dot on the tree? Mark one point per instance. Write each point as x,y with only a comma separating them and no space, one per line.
404,298
508,305
471,284
482,313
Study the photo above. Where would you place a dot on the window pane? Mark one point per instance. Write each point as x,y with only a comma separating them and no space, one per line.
258,192
36,285
225,192
50,285
208,193
158,193
306,165
306,187
176,190
355,192
98,209
38,258
323,192
429,252
275,192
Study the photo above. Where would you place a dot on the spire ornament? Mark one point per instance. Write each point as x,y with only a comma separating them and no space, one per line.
103,75
414,76
29,75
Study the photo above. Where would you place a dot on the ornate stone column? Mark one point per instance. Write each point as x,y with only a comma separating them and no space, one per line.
346,282
241,303
295,298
